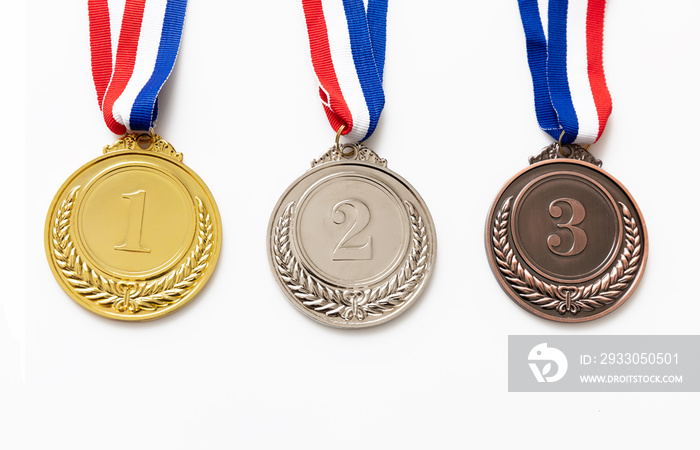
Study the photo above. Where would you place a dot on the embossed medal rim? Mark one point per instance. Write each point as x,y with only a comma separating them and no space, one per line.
524,304
320,317
63,192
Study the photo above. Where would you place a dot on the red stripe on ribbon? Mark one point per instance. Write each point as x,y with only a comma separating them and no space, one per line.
126,54
594,49
338,113
100,46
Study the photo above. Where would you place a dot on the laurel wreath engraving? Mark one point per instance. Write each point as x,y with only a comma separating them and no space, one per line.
562,298
128,296
351,303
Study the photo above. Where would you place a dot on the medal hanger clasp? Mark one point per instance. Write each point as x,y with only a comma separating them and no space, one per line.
143,141
555,150
571,147
351,151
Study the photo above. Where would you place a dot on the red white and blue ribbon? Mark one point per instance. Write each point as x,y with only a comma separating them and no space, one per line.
567,68
130,68
348,41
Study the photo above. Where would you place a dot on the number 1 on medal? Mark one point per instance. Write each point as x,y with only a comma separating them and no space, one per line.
137,202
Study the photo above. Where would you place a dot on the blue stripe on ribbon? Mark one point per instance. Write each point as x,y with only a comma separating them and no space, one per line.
536,44
367,30
547,60
556,70
145,108
376,18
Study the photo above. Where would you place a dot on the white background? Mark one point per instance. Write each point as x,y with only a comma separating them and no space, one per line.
239,367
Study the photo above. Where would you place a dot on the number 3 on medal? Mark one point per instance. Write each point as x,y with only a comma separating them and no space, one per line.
578,213
339,214
137,202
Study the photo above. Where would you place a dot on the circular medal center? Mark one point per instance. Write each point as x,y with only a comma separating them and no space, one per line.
566,226
136,222
352,231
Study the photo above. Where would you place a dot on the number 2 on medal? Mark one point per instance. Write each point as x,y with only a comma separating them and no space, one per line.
339,214
578,213
137,202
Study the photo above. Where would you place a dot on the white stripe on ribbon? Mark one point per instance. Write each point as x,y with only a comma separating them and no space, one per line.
344,66
577,72
542,9
146,55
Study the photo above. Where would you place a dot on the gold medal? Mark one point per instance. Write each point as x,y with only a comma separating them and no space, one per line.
133,234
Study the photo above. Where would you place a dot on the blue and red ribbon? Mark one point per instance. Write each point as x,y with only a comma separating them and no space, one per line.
129,77
571,95
348,42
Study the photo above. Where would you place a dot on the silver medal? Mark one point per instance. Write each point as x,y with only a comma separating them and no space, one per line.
351,243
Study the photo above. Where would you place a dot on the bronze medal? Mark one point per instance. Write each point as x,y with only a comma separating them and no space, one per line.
565,239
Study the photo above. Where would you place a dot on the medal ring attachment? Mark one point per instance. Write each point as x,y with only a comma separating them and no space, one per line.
347,151
337,137
560,146
145,140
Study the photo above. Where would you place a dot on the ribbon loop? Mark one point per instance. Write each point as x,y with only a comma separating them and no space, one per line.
567,68
128,82
348,42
